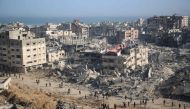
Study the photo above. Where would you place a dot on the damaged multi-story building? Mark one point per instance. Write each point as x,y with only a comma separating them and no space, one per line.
162,23
21,50
107,29
121,58
125,35
51,31
54,55
81,30
115,59
91,58
173,37
166,30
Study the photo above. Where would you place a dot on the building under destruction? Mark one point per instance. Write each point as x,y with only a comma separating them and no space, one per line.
122,58
167,22
115,59
20,50
166,30
128,34
80,29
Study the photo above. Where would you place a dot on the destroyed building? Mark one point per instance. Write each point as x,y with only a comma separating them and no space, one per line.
125,35
157,23
47,30
21,50
103,29
121,57
169,31
54,55
52,31
91,58
80,29
118,58
178,84
171,38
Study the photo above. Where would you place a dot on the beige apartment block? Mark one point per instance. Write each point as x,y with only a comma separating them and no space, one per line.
20,50
126,35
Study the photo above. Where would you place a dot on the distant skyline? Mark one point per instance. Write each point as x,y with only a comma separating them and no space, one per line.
92,8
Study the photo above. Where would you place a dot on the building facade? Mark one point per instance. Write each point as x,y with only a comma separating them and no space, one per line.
20,50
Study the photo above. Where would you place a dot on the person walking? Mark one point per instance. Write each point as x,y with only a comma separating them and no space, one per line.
69,91
164,102
134,104
115,106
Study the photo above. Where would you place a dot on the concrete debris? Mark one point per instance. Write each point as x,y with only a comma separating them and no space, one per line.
108,57
178,84
139,83
87,75
64,105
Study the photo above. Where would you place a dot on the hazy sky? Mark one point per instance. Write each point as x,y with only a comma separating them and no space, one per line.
85,8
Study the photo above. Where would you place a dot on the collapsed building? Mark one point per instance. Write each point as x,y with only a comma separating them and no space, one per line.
91,58
177,85
114,59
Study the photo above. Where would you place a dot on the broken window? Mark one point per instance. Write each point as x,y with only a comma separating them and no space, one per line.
29,62
18,56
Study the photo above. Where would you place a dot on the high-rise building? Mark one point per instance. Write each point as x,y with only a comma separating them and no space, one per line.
184,21
20,50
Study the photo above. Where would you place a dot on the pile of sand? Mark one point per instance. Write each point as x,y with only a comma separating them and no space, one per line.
26,96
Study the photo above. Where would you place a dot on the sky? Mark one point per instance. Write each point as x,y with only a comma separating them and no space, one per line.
92,8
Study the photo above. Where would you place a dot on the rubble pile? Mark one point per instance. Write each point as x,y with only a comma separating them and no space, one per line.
178,84
139,83
136,84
